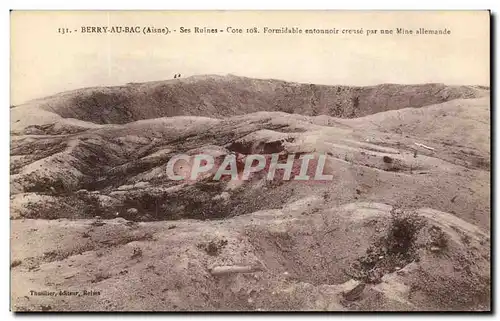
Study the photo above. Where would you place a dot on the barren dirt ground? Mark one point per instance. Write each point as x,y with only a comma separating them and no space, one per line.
96,225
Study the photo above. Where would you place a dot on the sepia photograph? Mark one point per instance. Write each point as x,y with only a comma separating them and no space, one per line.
252,161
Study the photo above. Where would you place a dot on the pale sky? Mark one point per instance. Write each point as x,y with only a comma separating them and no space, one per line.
44,62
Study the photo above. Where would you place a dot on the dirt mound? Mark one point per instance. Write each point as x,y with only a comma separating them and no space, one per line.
223,96
110,162
402,225
299,257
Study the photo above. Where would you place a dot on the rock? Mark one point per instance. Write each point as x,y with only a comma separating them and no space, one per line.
355,293
132,211
15,263
121,220
224,196
141,184
117,193
98,221
125,187
435,249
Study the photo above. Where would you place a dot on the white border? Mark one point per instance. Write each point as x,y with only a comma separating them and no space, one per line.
179,5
